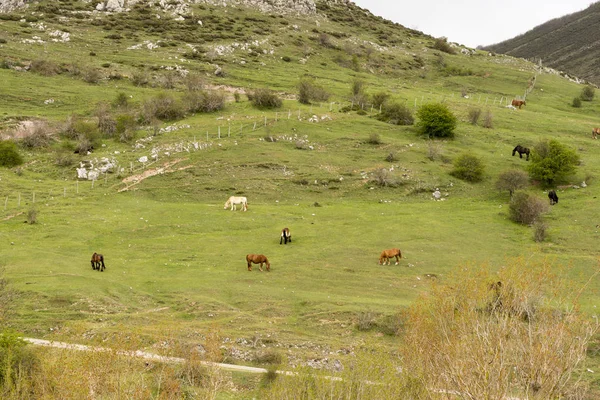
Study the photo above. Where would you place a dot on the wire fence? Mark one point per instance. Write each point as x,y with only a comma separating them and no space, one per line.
156,159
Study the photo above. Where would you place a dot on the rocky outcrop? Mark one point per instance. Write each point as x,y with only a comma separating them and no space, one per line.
304,7
300,7
7,6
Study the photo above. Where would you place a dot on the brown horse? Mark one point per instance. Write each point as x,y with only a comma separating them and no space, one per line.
386,255
518,103
257,259
595,133
98,262
285,236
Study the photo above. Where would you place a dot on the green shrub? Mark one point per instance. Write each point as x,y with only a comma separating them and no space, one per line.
526,209
469,168
163,107
442,44
9,155
64,159
576,102
380,98
396,114
17,364
587,93
552,162
374,138
436,120
125,127
204,101
309,91
265,98
121,100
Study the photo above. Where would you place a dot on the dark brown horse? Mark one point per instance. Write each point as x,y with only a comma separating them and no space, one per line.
98,262
285,236
553,197
386,255
257,259
521,150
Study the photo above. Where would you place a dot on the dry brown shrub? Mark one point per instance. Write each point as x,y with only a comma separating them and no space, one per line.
34,133
516,333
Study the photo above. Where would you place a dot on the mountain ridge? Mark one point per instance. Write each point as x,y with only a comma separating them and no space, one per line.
570,43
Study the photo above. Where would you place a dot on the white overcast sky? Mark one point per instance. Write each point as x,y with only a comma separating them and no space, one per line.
473,22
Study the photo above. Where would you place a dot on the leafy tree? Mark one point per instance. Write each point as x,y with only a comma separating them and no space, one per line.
436,120
9,155
551,162
512,180
469,168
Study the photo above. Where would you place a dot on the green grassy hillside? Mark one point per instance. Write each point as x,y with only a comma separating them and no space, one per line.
176,259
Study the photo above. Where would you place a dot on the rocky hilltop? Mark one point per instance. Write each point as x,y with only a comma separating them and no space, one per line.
302,7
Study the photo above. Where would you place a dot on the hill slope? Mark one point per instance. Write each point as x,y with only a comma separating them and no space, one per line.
122,88
570,44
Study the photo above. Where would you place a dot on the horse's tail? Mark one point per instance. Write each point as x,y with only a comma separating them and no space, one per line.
399,253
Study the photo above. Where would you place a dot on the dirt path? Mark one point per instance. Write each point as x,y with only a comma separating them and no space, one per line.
145,356
166,168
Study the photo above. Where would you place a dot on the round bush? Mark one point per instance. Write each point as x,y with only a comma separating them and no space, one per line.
526,209
436,120
469,168
9,155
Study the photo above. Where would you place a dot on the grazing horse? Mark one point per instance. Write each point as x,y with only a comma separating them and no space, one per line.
553,197
386,255
235,200
595,133
518,103
285,236
521,150
257,259
98,262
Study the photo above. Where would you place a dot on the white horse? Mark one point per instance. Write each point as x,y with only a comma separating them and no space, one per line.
234,200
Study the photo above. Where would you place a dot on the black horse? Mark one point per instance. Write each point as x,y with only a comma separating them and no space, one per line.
553,197
98,262
285,236
521,150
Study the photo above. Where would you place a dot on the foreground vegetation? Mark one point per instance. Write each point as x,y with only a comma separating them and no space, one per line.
348,186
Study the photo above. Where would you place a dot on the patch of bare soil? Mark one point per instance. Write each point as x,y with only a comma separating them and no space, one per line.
133,180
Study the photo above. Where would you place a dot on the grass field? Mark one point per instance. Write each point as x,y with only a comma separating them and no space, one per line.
176,259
